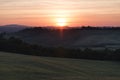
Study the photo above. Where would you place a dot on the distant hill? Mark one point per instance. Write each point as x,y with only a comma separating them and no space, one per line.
12,28
72,38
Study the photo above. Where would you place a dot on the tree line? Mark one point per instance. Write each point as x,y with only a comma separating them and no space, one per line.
16,45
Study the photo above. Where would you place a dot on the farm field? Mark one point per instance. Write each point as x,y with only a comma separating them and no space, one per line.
25,67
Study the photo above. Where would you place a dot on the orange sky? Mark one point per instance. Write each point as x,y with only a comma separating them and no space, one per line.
46,12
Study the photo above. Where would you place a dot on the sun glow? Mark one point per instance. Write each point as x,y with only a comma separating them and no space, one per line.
61,18
61,22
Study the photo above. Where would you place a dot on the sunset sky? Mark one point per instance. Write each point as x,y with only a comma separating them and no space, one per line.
60,12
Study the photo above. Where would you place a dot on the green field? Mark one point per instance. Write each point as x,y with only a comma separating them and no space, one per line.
24,67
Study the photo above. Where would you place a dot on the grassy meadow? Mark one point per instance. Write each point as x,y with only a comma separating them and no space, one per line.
25,67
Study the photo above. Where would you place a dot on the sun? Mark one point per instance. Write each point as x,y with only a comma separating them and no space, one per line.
61,22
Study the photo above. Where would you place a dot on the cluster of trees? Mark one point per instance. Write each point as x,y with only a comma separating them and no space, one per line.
99,28
47,29
16,45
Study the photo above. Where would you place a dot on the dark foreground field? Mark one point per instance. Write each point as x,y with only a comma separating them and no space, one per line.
23,67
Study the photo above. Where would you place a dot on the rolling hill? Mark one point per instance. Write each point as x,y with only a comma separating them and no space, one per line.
72,38
24,67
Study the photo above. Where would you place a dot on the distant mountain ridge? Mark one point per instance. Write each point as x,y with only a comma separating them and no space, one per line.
12,28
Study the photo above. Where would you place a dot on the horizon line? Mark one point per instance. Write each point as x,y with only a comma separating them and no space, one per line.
59,26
